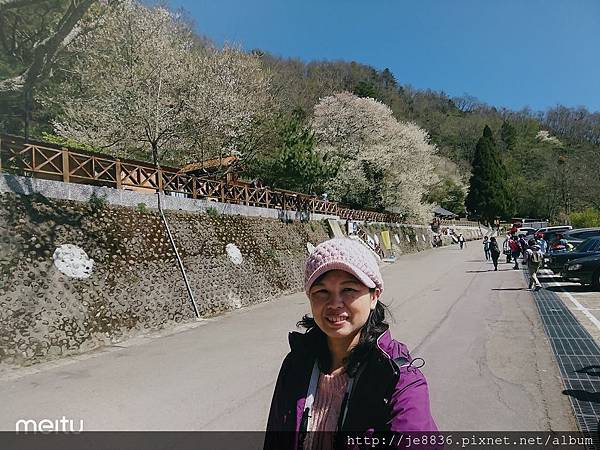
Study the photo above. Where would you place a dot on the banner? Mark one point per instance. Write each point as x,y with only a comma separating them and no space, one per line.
385,237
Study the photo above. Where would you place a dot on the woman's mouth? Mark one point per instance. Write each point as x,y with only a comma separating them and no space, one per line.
337,319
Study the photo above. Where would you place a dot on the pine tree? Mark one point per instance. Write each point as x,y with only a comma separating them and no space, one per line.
508,134
488,196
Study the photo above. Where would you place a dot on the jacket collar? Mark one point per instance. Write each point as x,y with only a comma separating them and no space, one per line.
306,343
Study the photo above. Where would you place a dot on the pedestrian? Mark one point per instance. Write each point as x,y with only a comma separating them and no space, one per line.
494,252
506,248
486,248
534,257
461,241
345,374
523,246
515,250
542,244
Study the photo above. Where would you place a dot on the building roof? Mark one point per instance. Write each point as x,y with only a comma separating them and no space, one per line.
215,163
439,211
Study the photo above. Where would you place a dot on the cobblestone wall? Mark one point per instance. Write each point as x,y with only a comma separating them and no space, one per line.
135,283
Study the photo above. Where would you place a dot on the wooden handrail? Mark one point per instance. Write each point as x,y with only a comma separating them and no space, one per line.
54,162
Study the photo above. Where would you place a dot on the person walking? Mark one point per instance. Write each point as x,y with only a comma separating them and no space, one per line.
533,257
486,248
515,251
345,374
494,252
461,241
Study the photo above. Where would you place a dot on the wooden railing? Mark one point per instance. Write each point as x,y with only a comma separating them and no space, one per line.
53,162
362,233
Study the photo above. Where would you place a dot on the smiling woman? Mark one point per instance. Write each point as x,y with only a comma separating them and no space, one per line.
345,374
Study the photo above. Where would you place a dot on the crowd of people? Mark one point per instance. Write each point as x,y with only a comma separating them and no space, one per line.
514,246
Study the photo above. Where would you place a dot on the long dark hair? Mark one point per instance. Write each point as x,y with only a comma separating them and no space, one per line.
367,343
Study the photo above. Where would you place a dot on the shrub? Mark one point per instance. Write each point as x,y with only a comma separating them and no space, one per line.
97,203
142,208
212,211
589,217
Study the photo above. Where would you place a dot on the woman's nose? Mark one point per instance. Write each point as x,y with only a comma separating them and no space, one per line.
335,300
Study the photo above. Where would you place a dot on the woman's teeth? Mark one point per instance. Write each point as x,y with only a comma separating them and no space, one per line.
336,319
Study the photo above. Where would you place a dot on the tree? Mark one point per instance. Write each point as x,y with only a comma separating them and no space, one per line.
488,195
33,33
449,194
140,85
508,135
385,164
295,163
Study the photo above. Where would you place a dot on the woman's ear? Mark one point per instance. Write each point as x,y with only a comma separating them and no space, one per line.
375,297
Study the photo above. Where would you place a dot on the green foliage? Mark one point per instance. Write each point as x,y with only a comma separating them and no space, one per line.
142,208
365,89
70,143
97,203
449,195
212,212
489,195
294,164
508,134
589,217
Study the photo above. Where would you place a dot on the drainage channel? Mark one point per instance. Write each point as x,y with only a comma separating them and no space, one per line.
578,357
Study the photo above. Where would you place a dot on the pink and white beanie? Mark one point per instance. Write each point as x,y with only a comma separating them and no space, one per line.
343,254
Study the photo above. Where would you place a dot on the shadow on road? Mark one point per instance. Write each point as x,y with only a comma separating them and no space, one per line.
571,288
487,270
509,289
585,396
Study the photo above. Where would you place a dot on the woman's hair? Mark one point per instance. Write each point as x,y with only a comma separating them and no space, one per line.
371,330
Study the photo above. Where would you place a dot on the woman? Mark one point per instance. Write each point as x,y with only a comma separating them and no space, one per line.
486,248
494,252
345,374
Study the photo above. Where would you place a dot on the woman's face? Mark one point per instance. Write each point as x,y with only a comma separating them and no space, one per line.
341,304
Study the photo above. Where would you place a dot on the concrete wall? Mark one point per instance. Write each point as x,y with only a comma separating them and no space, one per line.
82,192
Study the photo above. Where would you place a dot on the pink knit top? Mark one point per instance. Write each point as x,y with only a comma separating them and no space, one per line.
326,409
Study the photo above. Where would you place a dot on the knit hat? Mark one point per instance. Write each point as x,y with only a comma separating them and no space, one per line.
343,254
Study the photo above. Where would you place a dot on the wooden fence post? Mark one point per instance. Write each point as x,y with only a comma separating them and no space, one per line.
118,174
194,192
159,179
65,165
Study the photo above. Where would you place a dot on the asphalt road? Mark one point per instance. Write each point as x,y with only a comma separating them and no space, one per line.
489,366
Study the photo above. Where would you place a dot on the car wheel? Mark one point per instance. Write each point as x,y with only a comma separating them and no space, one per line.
596,280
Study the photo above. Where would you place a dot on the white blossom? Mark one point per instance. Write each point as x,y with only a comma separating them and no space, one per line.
363,133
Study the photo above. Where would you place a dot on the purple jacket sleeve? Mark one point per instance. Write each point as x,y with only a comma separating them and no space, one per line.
410,403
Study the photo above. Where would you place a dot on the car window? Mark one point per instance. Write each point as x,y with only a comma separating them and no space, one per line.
585,246
589,233
596,246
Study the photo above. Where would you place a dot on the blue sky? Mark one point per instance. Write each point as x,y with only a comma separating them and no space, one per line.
511,53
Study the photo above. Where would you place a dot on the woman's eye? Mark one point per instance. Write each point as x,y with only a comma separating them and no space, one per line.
349,290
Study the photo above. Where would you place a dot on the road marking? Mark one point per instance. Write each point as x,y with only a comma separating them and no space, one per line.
573,300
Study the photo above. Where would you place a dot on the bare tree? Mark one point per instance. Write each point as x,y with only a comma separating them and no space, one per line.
35,47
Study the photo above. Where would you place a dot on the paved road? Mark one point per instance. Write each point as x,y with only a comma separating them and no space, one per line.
489,365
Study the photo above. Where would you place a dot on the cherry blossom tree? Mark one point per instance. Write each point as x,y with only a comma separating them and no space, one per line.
141,84
387,164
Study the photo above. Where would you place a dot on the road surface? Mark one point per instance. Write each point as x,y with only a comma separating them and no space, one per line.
489,365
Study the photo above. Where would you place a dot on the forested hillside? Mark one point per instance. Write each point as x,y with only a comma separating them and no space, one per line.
138,81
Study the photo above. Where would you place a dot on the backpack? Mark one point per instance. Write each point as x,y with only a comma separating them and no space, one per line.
536,256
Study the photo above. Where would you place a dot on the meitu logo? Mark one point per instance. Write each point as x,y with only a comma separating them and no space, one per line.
48,425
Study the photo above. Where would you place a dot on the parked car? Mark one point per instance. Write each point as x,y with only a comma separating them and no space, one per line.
540,232
583,270
556,260
578,235
525,232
